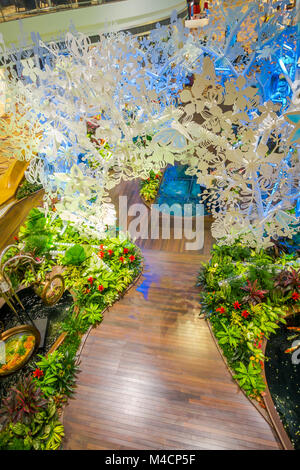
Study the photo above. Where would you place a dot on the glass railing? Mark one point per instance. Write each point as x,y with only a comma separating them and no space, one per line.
18,9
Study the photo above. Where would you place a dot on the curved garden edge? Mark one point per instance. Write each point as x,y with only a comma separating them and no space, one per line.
270,407
269,413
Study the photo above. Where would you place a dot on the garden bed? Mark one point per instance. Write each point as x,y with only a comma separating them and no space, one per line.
26,189
246,295
150,187
97,272
33,304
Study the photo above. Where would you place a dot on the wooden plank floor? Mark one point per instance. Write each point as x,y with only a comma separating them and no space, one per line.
151,376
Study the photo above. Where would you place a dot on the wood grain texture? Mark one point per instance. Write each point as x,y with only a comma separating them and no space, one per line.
15,217
151,376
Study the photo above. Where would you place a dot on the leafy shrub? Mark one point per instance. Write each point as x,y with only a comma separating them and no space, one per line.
23,402
150,186
245,299
75,255
26,188
98,272
10,442
230,335
255,295
59,374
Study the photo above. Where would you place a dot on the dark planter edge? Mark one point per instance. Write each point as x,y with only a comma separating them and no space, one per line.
263,412
268,401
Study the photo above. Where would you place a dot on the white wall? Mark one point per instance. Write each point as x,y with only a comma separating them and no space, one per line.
92,19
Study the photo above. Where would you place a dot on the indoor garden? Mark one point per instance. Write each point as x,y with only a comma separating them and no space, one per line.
204,118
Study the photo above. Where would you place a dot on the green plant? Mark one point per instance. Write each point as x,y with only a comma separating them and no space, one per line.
35,234
229,334
72,277
265,319
26,188
29,277
59,373
264,274
250,378
288,280
22,402
93,314
255,295
70,345
236,251
75,324
51,431
8,441
44,432
75,255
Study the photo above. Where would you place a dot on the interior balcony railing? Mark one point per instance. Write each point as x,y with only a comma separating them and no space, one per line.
17,9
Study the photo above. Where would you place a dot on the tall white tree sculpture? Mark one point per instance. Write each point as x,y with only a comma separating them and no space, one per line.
245,159
245,37
97,114
93,115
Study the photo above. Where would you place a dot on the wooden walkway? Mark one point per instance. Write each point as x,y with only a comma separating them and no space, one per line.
151,376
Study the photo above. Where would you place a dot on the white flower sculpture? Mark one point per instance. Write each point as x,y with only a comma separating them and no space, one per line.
88,116
250,172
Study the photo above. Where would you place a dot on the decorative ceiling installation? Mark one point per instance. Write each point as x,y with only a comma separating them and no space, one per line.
120,108
249,167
